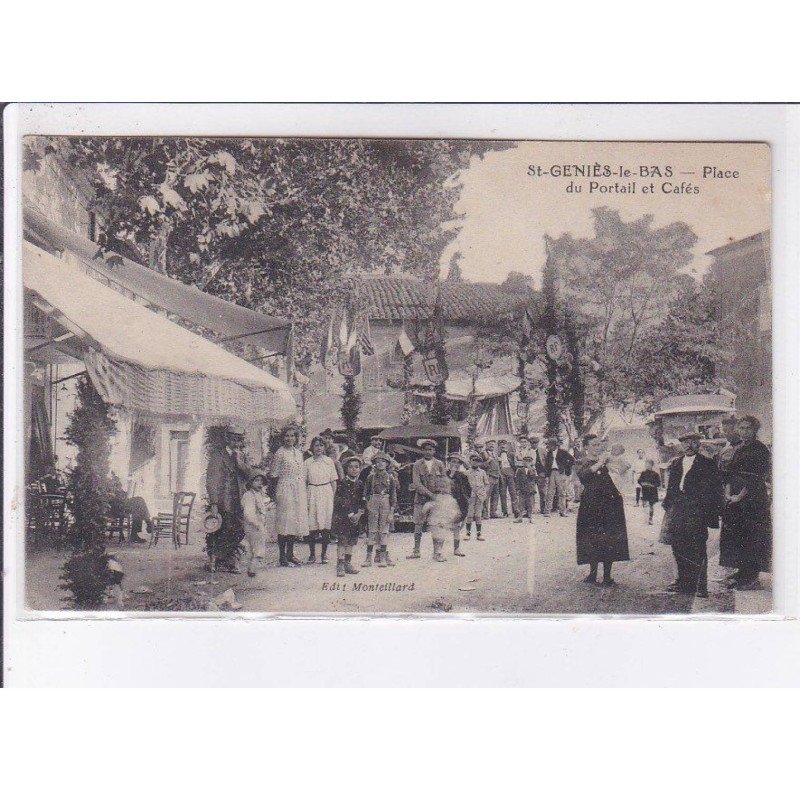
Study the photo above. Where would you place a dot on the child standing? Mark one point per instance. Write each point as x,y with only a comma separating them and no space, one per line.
348,508
649,481
441,516
479,485
380,495
255,502
526,488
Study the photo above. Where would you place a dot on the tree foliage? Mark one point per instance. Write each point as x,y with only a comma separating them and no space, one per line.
684,354
619,284
86,574
351,405
273,224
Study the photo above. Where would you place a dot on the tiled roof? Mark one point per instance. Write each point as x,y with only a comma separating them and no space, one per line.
394,297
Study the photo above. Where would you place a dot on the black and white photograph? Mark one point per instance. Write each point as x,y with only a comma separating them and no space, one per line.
394,376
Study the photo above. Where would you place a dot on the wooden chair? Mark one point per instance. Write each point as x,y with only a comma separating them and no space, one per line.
119,525
175,524
53,515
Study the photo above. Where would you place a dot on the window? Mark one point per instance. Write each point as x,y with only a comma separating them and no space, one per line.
373,373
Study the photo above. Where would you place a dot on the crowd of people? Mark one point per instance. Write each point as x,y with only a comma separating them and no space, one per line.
332,495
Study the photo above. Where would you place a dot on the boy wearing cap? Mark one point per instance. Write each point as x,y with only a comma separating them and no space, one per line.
526,487
479,486
424,475
461,490
348,508
380,495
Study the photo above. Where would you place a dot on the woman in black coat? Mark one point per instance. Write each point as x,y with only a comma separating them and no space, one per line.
601,532
746,518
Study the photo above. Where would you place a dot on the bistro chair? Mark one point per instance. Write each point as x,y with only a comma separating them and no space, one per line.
174,525
118,525
53,516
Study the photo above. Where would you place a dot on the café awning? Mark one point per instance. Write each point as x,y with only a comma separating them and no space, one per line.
145,362
231,321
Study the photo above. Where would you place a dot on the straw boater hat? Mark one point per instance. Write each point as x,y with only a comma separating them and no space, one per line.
212,522
458,457
381,457
346,461
426,443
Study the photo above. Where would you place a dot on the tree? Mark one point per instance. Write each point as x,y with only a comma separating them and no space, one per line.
518,283
87,575
273,224
685,353
454,271
619,285
351,406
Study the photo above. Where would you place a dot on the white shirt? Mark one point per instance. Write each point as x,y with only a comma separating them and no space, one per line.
504,462
688,461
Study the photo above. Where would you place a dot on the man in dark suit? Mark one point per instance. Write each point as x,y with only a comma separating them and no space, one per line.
492,467
540,456
226,472
558,464
692,504
508,485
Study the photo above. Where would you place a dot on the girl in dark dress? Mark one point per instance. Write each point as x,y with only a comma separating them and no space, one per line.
746,517
601,532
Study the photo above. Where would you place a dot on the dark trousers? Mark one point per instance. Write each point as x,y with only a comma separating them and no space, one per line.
691,559
541,487
508,488
494,496
527,500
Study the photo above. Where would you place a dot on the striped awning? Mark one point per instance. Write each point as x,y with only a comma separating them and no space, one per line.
143,361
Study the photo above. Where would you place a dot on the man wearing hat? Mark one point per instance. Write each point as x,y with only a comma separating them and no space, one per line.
540,457
227,469
424,476
692,504
371,450
380,495
479,491
492,467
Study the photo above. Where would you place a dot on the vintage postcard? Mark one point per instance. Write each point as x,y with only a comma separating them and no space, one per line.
396,376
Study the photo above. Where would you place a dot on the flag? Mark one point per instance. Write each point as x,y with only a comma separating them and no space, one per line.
364,341
404,343
527,323
327,344
343,331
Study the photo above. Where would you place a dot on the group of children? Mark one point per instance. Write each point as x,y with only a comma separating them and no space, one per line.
447,498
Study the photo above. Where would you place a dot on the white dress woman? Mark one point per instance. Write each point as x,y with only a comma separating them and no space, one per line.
321,477
291,512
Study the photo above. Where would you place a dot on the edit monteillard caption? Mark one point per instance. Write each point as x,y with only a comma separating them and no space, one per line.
366,586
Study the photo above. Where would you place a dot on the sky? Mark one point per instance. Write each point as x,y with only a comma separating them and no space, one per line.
507,211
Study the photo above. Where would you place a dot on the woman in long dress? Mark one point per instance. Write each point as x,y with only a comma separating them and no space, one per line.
601,533
291,512
747,519
321,477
